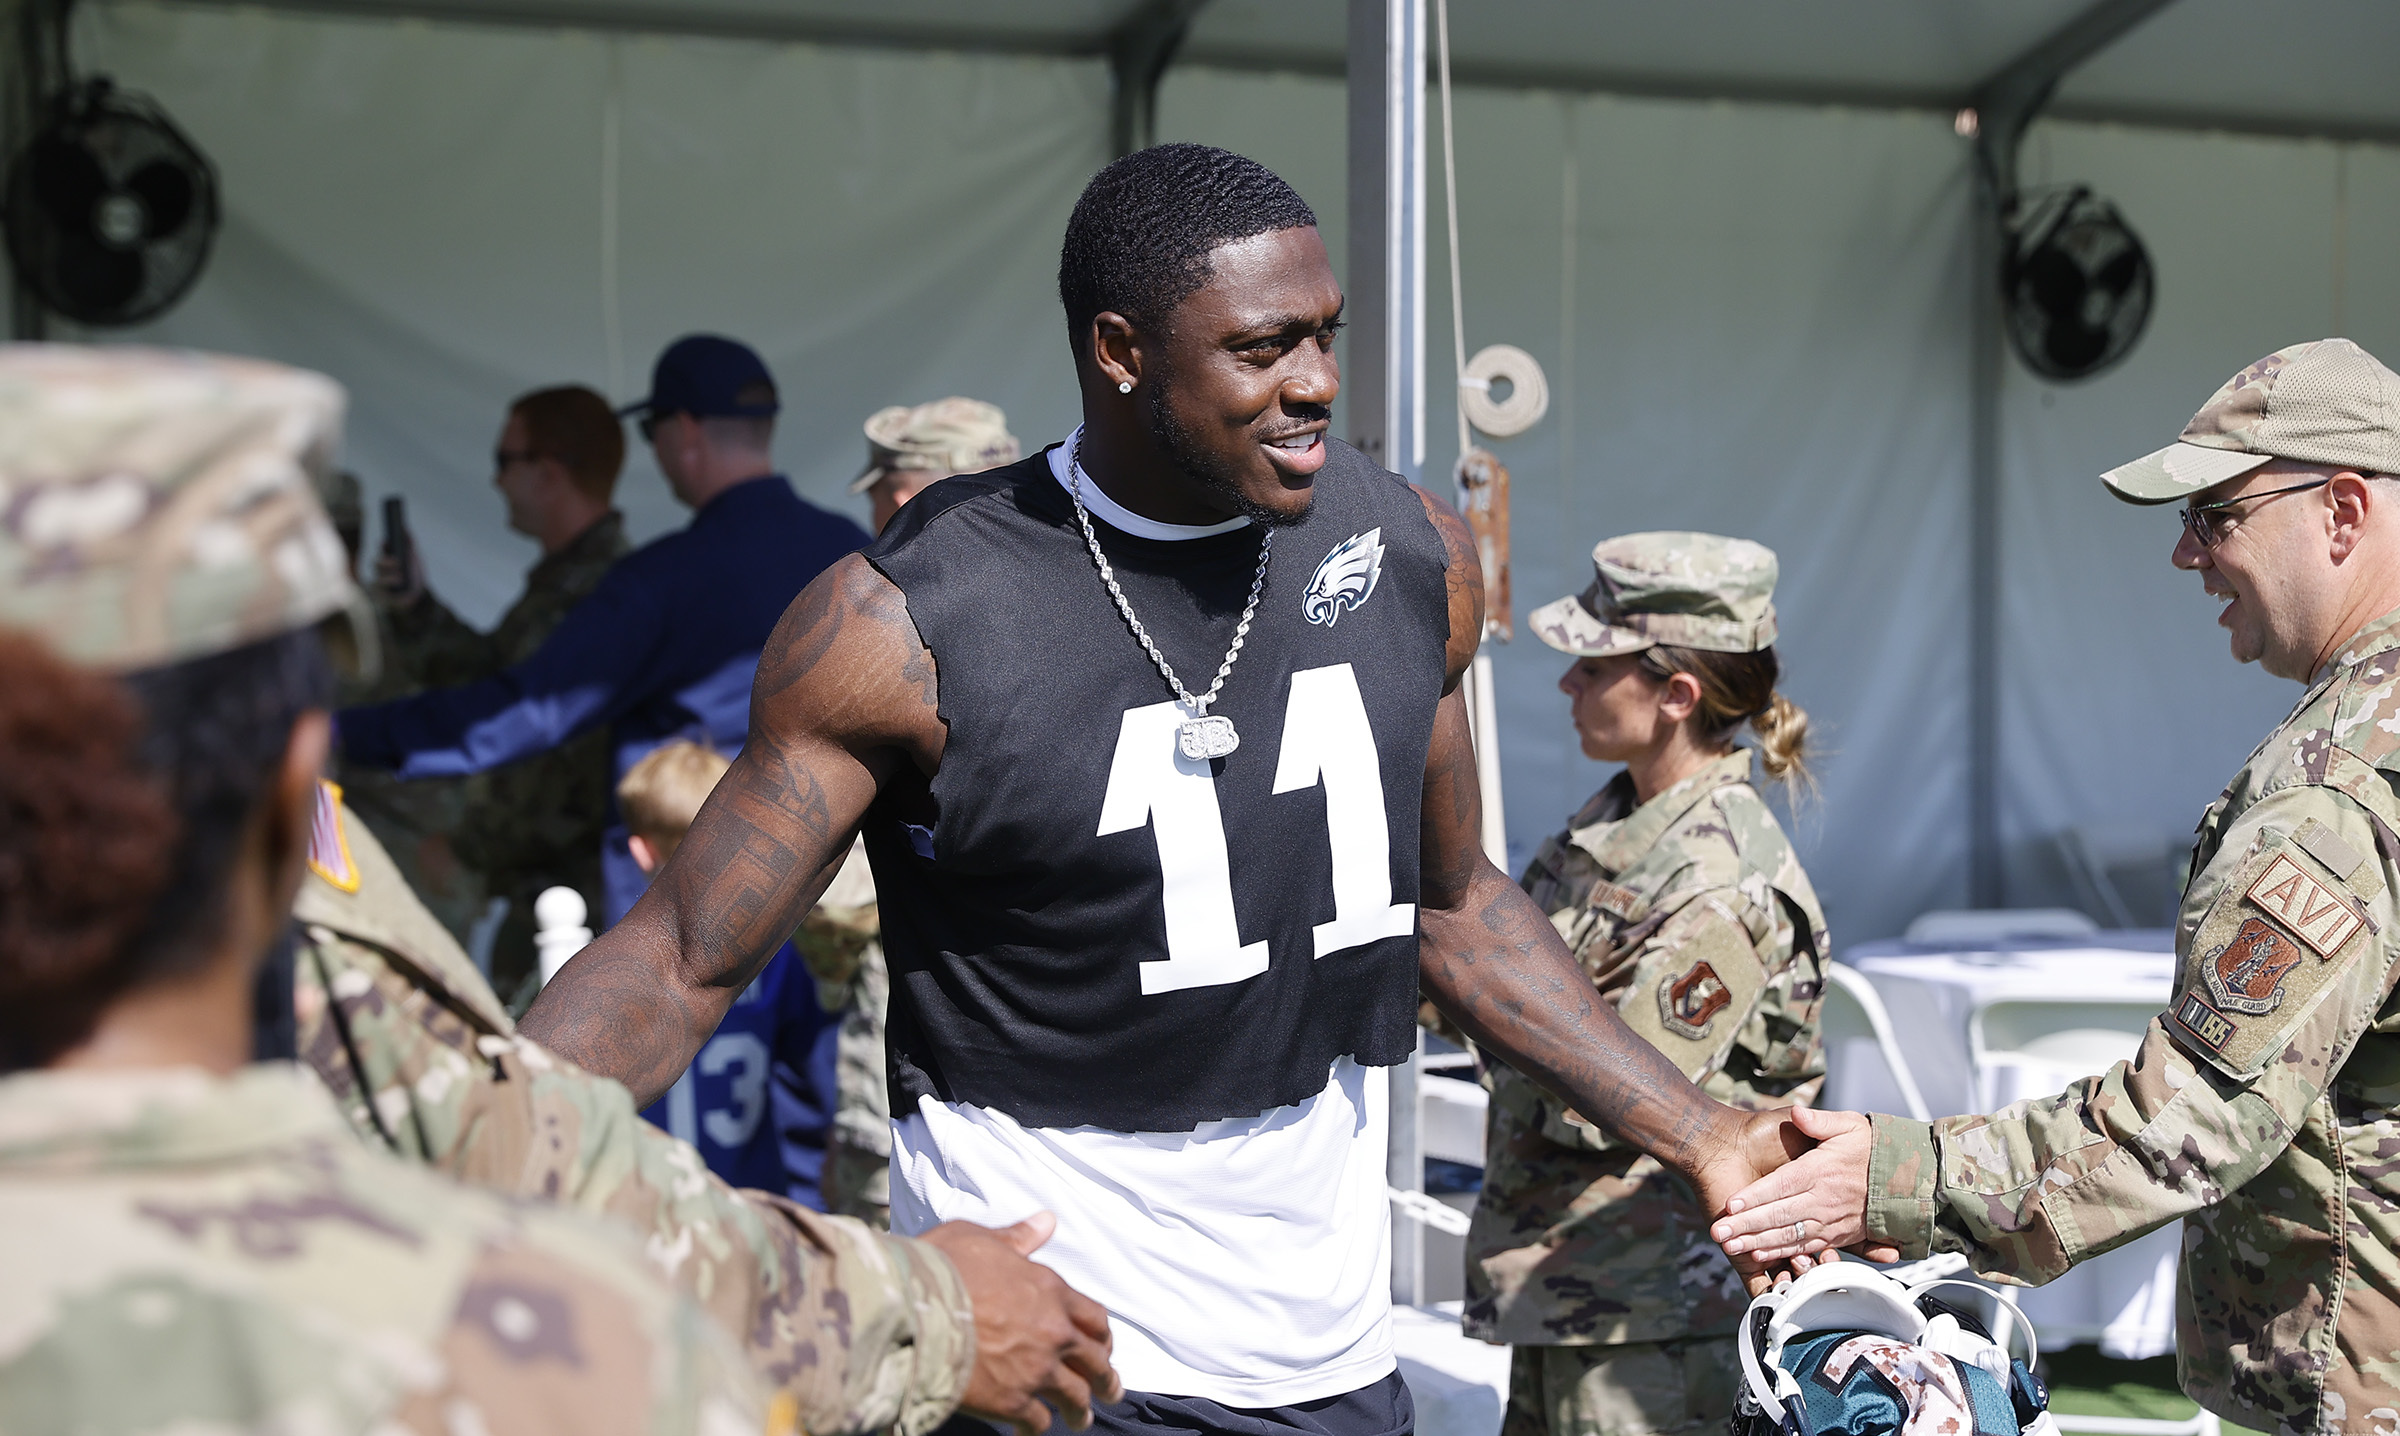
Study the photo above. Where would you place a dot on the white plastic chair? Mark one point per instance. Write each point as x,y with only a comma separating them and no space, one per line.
1971,927
1853,1020
2031,1047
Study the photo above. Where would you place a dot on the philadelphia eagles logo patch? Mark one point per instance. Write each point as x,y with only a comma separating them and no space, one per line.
1346,579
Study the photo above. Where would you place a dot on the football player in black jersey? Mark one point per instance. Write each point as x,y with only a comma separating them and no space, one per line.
1206,398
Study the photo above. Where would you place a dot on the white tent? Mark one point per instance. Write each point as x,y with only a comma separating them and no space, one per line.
1738,235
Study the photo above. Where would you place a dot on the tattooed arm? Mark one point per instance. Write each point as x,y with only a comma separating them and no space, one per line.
1492,961
845,695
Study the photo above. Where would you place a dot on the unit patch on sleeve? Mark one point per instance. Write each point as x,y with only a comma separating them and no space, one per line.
2246,974
1688,1004
2321,917
2274,941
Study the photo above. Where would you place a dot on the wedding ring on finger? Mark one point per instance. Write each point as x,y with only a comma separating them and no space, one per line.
1800,1232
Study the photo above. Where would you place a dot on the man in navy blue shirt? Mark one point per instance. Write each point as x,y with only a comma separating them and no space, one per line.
667,644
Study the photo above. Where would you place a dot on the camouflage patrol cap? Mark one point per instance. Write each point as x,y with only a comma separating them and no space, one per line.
1686,589
159,506
2329,402
947,436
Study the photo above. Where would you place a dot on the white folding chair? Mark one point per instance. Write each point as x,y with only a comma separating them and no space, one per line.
1970,927
2028,1047
1854,1024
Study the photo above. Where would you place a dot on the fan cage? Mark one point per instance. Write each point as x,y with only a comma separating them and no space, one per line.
87,267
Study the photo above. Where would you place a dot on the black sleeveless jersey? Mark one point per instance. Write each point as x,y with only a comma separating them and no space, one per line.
1085,927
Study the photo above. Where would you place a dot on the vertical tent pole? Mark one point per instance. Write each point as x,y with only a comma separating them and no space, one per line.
1383,389
1997,115
35,72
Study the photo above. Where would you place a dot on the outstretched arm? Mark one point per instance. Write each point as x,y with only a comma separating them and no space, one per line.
1492,961
845,694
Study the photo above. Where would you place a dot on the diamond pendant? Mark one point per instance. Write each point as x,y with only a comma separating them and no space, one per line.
1201,739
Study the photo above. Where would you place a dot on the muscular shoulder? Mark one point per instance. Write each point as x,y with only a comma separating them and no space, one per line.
931,515
1462,575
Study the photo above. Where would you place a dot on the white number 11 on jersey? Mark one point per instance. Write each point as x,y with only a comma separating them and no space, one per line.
1326,738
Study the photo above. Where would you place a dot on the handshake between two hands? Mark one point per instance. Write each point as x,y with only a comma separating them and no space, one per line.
1790,1191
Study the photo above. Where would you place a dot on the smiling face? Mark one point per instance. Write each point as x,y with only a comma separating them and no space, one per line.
2269,569
1238,388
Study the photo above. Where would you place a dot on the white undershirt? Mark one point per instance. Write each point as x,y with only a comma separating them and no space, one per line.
1121,518
1247,1261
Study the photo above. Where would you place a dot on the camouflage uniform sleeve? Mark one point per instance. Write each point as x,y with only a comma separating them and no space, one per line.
548,1336
435,648
2286,948
1696,980
861,1331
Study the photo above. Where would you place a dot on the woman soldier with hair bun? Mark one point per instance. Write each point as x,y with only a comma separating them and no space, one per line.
1678,891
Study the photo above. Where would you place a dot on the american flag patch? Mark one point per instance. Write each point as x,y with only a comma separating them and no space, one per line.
328,844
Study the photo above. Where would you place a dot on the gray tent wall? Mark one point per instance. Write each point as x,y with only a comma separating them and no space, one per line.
1752,315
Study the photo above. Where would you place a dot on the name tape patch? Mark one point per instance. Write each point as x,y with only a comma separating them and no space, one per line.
2315,913
2213,1029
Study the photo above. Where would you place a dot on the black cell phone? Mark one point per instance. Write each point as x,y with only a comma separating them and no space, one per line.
397,545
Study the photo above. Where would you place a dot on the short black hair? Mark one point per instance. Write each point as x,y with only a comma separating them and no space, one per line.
214,731
1139,240
122,805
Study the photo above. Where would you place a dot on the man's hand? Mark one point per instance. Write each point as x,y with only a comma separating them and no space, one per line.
1815,1204
399,586
1036,1338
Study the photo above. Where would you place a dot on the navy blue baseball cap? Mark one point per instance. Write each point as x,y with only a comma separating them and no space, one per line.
708,376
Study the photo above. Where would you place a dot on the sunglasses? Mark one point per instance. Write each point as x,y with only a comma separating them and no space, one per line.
505,459
649,423
2210,523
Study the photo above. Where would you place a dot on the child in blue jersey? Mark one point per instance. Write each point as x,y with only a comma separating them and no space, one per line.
758,1101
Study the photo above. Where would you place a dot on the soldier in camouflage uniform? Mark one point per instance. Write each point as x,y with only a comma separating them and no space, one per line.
2264,1105
415,820
1680,895
536,823
864,1331
193,1240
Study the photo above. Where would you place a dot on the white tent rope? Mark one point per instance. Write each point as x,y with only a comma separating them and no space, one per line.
1458,316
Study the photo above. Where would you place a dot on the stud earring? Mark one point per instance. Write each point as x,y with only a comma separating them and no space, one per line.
1124,386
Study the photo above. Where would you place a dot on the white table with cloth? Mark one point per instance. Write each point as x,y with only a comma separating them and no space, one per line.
1948,1009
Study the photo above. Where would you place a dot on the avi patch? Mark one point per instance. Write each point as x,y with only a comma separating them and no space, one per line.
2279,936
2319,916
1688,1004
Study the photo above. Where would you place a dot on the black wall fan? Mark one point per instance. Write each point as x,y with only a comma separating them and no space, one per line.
2078,286
110,208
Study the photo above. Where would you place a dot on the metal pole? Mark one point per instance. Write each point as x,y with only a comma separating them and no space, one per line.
1985,887
36,71
1383,390
2000,109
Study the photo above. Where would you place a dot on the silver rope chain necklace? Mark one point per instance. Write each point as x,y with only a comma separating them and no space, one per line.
1203,735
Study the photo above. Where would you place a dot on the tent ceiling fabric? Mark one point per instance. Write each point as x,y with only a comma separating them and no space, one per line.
2320,67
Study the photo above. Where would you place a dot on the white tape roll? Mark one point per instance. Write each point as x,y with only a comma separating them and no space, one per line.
1528,398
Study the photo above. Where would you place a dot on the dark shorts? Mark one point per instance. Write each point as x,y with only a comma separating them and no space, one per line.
1383,1409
